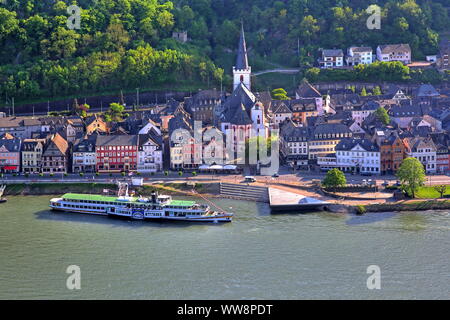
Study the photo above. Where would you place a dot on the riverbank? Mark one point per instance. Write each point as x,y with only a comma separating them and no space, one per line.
36,189
411,205
212,190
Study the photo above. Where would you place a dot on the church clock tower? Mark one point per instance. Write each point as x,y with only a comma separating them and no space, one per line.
242,71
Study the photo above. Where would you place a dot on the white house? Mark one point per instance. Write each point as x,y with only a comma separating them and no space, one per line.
359,55
424,150
359,114
84,157
333,58
281,113
359,156
394,52
150,153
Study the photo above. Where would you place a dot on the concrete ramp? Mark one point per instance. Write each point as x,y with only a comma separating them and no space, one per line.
283,201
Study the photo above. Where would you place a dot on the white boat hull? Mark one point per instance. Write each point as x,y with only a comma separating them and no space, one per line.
59,205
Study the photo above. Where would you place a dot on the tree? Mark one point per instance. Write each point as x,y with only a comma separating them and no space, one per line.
383,116
441,189
363,92
376,91
280,94
334,178
411,175
115,112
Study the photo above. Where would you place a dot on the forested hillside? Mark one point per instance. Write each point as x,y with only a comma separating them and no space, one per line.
124,44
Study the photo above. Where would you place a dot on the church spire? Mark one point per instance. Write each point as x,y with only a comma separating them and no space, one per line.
242,59
242,72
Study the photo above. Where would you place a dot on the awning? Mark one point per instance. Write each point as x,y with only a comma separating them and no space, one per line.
10,168
216,167
203,167
230,167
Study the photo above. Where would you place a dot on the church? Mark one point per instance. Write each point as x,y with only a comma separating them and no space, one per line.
242,115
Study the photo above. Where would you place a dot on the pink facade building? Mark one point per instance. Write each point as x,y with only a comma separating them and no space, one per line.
10,155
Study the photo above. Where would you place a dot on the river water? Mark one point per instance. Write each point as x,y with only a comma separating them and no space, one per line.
258,256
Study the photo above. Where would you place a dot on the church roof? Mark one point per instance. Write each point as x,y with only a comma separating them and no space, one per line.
242,58
240,96
240,117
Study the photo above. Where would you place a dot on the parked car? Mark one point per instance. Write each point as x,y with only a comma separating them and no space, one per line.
275,175
249,179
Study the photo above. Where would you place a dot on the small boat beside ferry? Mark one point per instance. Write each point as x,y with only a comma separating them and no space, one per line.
157,207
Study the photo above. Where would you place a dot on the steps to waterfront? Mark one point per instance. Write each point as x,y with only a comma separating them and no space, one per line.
244,192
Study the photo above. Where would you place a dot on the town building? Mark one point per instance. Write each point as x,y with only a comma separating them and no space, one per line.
442,158
443,60
150,152
358,156
424,150
394,52
304,108
306,92
393,151
55,158
281,111
116,153
203,106
84,156
32,150
294,144
181,134
359,55
96,124
361,113
10,150
20,127
404,114
325,137
331,58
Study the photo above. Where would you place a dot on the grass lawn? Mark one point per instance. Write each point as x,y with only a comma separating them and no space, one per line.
430,193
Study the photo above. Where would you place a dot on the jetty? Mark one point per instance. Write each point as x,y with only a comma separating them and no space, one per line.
283,201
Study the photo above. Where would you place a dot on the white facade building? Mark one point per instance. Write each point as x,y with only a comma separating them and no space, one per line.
359,55
359,156
424,150
150,154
